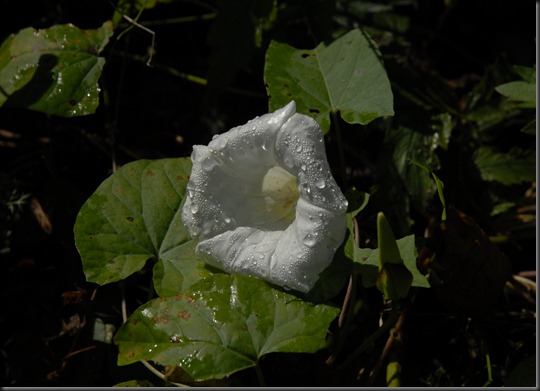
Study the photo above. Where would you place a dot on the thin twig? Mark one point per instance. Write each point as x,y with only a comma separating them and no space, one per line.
151,32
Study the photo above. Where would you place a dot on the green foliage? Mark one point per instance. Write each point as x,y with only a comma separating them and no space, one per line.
222,324
134,216
54,70
345,76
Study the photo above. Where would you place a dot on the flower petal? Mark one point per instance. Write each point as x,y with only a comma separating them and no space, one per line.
262,201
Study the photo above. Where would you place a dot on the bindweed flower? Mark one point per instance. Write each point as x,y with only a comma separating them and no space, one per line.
262,202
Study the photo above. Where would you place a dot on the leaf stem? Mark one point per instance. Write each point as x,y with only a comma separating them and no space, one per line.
260,374
490,376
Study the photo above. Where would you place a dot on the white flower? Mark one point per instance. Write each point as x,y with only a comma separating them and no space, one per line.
261,201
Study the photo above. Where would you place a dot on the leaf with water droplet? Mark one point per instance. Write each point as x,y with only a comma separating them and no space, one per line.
221,325
54,70
346,75
134,216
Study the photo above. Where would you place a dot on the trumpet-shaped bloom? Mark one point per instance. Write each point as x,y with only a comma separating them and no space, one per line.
261,201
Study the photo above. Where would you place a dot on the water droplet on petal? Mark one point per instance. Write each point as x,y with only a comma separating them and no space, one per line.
227,220
320,183
194,208
303,167
309,240
208,164
299,148
289,161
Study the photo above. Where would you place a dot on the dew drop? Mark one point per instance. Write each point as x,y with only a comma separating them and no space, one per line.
303,167
289,161
309,240
299,148
208,164
227,220
194,208
320,183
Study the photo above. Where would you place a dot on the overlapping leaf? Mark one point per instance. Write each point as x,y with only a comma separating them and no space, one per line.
54,70
346,75
133,216
222,324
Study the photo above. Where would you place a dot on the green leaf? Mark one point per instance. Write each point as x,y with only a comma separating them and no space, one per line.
370,259
221,325
177,269
346,75
135,383
394,281
512,167
519,91
388,249
133,216
530,127
54,70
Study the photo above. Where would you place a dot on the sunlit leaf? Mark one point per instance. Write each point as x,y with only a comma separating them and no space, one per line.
54,70
133,216
222,324
345,76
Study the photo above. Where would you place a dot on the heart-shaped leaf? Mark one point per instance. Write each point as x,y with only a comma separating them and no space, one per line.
346,75
222,324
133,216
54,70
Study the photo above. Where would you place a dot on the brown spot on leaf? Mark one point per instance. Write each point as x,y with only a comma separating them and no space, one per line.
185,314
130,219
315,111
150,173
